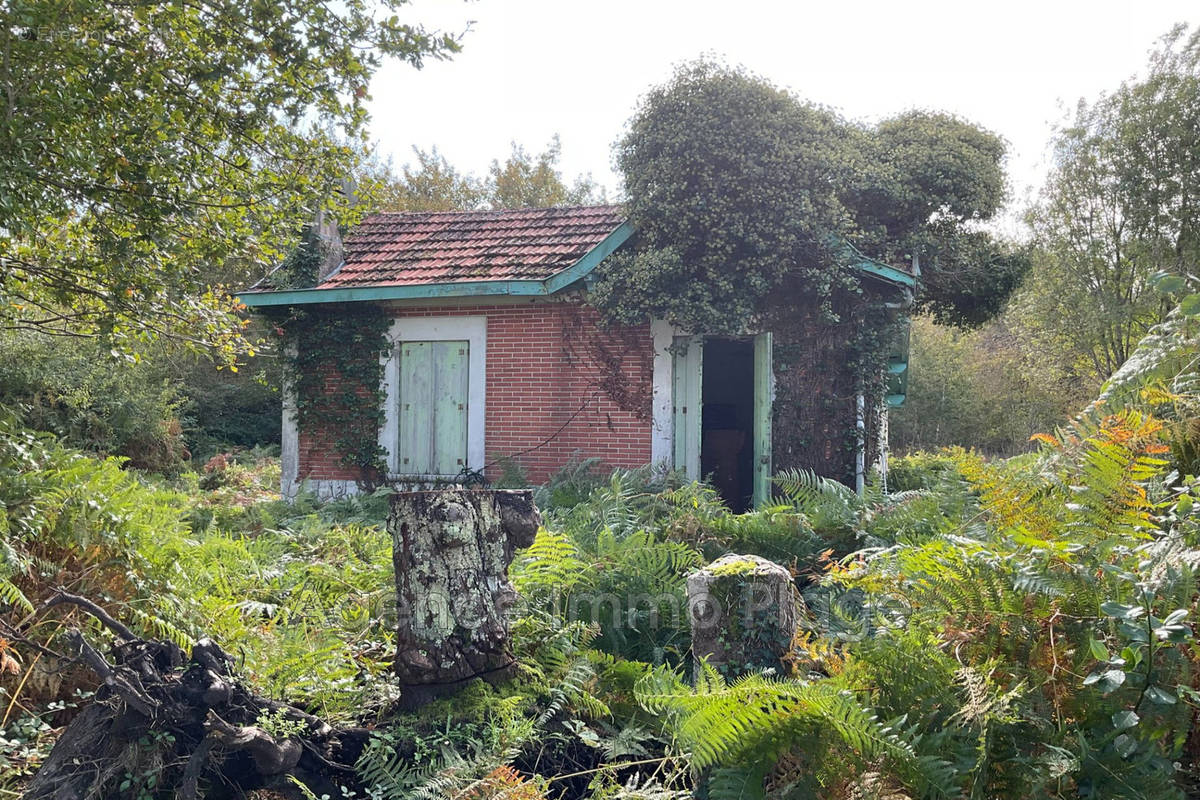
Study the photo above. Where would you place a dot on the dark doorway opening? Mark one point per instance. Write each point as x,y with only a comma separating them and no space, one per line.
727,424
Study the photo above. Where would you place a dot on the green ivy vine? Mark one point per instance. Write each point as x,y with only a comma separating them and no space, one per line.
347,344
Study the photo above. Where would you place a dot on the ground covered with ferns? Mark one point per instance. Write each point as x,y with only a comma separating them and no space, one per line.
984,630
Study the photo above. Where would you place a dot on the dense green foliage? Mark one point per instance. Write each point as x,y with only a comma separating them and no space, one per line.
92,399
1118,207
987,630
978,388
735,185
158,411
1114,234
153,152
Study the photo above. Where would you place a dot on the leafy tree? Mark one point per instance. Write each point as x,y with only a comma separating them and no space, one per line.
730,187
432,184
1119,207
735,185
520,181
929,180
89,400
147,145
524,181
980,389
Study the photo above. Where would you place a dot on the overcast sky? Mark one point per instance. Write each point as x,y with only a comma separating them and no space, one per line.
533,68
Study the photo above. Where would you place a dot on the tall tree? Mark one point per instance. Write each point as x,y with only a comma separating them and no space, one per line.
735,186
927,183
431,184
1120,206
522,180
525,181
146,145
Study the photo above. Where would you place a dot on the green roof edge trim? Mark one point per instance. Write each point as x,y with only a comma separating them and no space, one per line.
864,263
526,288
523,288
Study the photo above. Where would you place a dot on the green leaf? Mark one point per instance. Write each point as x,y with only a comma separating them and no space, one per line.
1124,720
1107,682
1170,284
1190,305
1126,745
1175,616
1098,650
1160,696
1117,610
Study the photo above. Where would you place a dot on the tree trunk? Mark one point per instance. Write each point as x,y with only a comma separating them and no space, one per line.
452,549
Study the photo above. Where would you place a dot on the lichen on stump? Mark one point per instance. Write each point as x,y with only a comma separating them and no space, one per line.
743,612
452,549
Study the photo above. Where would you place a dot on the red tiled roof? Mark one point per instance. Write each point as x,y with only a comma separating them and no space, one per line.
399,249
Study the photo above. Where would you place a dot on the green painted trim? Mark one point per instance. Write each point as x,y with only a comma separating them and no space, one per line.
764,361
358,294
590,260
888,273
855,258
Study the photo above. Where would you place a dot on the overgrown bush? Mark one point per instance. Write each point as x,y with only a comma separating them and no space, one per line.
93,400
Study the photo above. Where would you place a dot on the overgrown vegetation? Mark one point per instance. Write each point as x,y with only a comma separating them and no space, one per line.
987,630
983,629
1116,210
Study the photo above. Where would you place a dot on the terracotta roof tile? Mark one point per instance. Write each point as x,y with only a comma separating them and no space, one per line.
398,249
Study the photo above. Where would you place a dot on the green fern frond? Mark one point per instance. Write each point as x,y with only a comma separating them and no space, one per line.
12,595
746,722
162,629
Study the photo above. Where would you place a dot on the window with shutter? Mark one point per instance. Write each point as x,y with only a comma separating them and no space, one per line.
433,397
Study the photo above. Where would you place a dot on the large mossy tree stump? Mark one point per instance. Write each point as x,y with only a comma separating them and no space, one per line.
452,549
743,612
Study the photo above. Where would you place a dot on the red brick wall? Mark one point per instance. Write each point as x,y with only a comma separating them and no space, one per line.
543,372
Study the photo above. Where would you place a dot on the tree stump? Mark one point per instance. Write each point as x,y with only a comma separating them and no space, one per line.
451,550
743,612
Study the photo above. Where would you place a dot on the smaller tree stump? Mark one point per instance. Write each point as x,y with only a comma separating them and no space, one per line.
452,549
743,612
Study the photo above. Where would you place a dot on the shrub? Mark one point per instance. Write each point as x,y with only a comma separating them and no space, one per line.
93,401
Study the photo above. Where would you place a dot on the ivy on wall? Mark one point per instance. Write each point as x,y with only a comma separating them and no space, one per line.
821,364
335,359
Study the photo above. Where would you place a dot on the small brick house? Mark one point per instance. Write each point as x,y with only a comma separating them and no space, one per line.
496,361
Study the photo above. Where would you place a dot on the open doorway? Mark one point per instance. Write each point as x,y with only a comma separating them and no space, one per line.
727,424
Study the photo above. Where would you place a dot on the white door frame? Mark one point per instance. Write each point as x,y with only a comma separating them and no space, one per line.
437,329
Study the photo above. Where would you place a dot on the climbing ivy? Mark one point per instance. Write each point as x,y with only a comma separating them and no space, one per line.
301,267
744,197
335,361
738,190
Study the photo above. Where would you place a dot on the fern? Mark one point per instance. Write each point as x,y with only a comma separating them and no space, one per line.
751,720
162,628
572,690
12,595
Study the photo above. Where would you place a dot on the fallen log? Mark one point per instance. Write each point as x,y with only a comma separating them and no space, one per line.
168,721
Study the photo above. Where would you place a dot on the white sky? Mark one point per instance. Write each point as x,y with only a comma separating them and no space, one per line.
533,68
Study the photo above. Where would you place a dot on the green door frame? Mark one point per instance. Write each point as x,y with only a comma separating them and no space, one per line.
687,392
687,364
763,400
